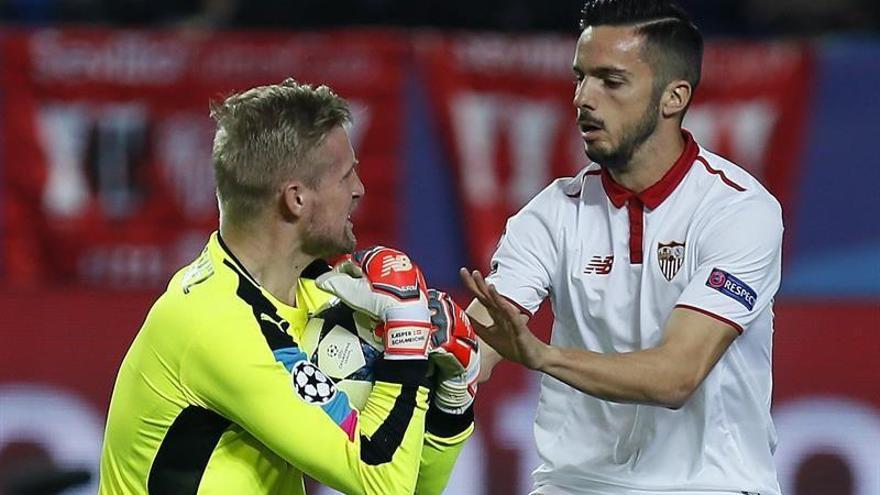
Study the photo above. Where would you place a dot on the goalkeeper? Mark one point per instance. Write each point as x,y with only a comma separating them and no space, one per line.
214,395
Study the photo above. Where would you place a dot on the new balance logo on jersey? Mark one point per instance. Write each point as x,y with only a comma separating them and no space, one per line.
599,265
398,263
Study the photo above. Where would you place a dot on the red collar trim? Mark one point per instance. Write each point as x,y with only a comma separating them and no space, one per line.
653,196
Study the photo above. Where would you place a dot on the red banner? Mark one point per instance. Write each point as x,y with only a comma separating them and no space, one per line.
505,106
108,141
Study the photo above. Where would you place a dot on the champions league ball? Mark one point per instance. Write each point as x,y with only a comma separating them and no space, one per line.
341,343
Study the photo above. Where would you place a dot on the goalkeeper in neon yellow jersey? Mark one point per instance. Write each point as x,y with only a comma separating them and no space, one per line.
215,395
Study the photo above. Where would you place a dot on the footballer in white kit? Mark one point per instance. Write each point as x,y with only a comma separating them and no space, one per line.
658,373
710,241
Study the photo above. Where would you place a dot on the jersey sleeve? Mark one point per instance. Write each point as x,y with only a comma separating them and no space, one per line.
739,262
522,265
285,402
445,436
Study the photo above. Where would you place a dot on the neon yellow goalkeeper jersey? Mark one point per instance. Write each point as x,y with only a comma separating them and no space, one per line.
215,397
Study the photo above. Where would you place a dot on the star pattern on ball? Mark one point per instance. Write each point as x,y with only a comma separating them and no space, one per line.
312,385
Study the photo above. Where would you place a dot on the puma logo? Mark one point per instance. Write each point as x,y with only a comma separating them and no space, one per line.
281,325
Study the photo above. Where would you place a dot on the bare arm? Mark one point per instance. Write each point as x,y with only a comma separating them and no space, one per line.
666,375
489,357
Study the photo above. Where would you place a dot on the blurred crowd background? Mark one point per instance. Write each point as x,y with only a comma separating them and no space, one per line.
729,17
462,112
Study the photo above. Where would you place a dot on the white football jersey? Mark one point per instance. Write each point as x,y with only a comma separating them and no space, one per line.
706,237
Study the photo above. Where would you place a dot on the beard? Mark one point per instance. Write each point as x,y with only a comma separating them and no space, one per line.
322,241
632,137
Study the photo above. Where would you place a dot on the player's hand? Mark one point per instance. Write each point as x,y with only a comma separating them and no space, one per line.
509,335
385,284
454,352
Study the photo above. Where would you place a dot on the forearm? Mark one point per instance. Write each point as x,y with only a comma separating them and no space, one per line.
648,377
489,357
665,375
374,452
445,436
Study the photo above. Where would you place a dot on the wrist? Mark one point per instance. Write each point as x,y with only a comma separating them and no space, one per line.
545,357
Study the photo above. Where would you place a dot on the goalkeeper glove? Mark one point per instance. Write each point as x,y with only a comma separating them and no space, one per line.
455,354
385,284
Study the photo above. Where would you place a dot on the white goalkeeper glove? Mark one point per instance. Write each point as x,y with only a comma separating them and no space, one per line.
385,284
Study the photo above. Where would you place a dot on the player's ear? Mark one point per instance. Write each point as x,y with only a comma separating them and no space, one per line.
675,98
295,198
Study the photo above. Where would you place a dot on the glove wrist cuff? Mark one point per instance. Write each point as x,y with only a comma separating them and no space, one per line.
454,395
454,410
407,312
406,339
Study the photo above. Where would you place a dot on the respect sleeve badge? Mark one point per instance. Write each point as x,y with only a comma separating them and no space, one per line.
732,287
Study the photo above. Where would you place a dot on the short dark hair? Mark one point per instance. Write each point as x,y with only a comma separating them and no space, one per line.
674,45
266,135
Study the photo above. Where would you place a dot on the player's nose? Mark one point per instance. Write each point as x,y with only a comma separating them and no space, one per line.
585,94
358,190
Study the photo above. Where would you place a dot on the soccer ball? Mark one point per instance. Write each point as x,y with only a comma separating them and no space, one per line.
341,343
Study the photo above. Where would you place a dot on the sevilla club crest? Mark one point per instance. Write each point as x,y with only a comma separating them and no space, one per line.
671,257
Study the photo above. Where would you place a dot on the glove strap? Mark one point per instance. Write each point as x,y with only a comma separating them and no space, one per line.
454,395
406,339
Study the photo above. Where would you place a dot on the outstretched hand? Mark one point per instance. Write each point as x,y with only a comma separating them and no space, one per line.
509,335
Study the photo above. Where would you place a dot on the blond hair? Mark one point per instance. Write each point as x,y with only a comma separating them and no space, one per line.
267,135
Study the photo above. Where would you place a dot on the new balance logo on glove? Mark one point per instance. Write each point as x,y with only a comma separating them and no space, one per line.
399,263
391,272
